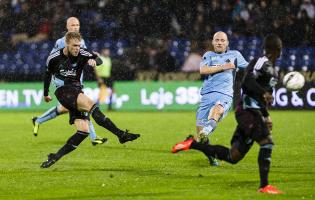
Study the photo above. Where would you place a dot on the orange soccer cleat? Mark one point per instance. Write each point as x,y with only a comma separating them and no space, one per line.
181,146
270,190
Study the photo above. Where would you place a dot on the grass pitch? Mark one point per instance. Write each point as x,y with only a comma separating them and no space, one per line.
145,168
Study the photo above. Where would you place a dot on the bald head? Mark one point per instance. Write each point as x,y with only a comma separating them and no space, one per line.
73,24
220,42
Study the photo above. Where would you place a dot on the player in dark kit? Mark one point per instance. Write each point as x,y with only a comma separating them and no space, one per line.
253,120
65,67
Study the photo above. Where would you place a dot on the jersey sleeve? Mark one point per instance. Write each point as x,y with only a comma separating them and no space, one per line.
205,60
57,46
48,75
241,62
90,55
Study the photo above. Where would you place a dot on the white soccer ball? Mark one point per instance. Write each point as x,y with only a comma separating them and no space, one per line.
293,81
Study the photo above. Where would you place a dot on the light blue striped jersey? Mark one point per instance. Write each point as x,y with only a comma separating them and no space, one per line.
223,81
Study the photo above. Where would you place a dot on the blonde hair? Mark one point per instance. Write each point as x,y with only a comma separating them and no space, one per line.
73,35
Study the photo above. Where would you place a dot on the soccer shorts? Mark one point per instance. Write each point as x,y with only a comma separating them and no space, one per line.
67,96
250,127
207,102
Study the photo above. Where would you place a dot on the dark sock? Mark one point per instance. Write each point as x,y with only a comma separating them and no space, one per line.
71,144
215,151
104,121
264,159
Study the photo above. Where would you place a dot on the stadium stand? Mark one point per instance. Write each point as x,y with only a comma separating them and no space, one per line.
126,25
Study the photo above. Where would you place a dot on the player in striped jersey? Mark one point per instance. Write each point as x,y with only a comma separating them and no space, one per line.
65,67
73,25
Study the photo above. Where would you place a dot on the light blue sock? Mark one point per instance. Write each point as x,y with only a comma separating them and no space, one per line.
48,115
210,127
92,131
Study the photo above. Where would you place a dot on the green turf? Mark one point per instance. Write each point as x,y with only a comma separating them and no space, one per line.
145,169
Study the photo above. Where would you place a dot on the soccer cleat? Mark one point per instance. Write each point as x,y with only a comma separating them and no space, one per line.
98,140
35,126
213,161
50,161
269,189
126,137
181,146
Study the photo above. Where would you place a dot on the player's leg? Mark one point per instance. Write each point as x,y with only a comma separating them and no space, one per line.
219,108
71,144
48,115
94,138
102,93
84,103
233,155
264,139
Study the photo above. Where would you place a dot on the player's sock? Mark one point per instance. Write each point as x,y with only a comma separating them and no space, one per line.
92,131
48,115
210,127
264,159
71,144
104,121
215,151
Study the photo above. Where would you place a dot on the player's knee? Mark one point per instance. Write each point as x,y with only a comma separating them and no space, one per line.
218,109
236,156
61,109
82,125
266,141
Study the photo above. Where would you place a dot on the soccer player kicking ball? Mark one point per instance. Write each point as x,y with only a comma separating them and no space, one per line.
217,90
73,25
66,66
253,120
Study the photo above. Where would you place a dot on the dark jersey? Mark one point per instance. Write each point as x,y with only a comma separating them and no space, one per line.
260,77
65,70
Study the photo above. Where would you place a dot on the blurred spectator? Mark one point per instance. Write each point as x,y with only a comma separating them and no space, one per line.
164,61
192,61
309,8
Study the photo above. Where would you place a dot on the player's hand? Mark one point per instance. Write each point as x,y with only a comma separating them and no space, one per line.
268,122
268,98
227,66
91,62
47,98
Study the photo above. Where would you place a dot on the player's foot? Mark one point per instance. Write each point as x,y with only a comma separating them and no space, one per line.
213,161
269,189
50,161
126,137
35,126
98,140
184,145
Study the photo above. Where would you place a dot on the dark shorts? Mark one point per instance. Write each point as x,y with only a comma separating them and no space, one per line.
250,127
109,82
67,96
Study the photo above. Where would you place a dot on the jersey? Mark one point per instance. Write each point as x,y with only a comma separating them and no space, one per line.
61,43
66,70
221,82
260,77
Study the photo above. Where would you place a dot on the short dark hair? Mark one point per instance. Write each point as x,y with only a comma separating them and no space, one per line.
73,35
272,42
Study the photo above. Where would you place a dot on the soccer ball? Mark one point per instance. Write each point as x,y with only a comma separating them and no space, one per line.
293,81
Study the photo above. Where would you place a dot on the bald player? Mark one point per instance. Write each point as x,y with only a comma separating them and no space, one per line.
73,25
217,91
